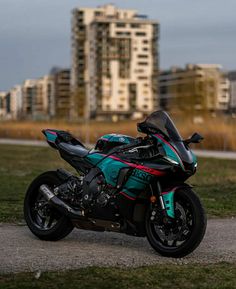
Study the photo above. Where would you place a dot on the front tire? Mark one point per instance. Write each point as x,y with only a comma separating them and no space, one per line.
44,221
183,235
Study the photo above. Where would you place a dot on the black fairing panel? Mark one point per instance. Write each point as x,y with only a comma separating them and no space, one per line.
73,150
76,162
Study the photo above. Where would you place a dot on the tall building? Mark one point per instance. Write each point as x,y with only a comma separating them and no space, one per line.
29,90
2,104
38,98
62,93
16,102
43,102
114,62
197,87
232,79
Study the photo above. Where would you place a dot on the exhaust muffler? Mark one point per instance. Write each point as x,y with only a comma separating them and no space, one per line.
59,204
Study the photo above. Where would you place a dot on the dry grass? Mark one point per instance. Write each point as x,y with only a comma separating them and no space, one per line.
32,130
219,133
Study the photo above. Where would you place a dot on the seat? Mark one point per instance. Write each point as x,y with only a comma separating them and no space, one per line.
73,150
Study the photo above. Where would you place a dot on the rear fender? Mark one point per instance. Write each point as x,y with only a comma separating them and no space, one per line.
168,199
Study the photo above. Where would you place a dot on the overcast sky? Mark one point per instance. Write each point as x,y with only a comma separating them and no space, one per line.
35,34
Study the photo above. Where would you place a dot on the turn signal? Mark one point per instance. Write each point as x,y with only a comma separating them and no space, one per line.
153,199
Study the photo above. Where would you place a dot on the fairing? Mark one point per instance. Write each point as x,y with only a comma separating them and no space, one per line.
160,125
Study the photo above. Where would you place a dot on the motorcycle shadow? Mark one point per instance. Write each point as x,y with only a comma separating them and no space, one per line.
107,238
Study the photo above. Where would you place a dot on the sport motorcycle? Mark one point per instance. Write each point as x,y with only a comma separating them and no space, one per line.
124,184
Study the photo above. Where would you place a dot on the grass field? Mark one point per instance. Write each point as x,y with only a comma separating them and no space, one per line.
215,180
220,276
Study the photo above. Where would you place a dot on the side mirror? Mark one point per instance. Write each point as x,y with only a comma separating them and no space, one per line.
195,138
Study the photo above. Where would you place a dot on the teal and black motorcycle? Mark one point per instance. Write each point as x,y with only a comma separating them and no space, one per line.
128,185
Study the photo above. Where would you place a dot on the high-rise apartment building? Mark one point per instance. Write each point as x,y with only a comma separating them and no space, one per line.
43,101
62,93
197,87
16,101
29,90
114,62
11,103
38,97
232,79
2,104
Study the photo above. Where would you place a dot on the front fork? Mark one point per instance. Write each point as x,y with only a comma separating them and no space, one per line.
166,200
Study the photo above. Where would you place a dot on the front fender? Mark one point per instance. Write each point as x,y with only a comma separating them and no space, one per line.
168,198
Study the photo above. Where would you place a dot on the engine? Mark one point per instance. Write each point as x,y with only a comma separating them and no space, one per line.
90,191
71,190
96,192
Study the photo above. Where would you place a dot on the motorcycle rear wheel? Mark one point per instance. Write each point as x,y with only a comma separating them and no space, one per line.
44,221
183,235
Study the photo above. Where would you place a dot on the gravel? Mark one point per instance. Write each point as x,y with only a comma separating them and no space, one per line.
21,251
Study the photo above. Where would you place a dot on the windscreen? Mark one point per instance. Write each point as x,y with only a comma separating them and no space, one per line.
161,121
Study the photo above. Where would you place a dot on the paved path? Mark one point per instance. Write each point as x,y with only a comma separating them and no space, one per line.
21,251
23,142
201,153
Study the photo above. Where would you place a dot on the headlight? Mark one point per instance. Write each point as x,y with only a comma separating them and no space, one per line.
171,161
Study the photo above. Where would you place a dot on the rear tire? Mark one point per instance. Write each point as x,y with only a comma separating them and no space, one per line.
187,202
36,208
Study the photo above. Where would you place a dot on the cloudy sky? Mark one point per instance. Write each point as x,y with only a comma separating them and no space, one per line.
35,34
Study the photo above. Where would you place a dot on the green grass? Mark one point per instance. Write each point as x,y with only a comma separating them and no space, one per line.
215,183
220,276
19,166
215,180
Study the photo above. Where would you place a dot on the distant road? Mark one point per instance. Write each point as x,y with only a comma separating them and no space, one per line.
200,153
23,142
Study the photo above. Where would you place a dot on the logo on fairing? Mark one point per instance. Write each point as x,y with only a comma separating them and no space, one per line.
121,139
142,175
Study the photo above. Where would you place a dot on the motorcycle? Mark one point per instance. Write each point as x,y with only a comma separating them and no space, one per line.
127,185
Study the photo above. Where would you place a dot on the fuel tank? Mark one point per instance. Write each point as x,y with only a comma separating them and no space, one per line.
109,141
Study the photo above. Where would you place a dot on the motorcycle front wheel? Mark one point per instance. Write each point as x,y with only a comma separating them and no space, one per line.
178,237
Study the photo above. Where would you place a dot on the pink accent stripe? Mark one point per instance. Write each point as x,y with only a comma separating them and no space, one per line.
170,146
167,192
128,197
139,167
52,132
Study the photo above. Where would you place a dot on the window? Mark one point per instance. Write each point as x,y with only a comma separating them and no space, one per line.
145,41
120,24
140,34
98,13
139,71
119,33
135,25
142,56
142,78
143,63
